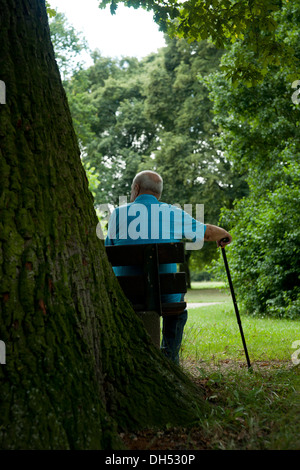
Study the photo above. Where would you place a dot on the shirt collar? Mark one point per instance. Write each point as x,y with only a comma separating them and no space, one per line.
146,197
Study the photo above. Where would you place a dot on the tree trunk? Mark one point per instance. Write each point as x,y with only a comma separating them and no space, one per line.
79,364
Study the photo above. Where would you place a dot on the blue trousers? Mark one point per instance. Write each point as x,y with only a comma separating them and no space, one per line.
172,333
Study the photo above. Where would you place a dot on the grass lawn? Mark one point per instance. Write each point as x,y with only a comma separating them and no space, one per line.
212,333
257,409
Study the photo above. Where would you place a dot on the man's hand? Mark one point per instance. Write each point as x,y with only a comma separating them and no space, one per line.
224,241
217,234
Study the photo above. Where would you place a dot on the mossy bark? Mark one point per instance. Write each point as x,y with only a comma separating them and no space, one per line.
79,364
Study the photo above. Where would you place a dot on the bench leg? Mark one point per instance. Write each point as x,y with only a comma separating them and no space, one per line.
151,322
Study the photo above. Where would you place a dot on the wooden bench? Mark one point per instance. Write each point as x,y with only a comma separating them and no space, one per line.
145,289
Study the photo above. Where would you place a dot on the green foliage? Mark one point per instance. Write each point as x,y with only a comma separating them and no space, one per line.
68,44
82,108
264,258
122,134
50,11
163,11
93,178
248,23
260,134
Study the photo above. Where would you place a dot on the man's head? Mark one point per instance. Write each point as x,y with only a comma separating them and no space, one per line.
146,182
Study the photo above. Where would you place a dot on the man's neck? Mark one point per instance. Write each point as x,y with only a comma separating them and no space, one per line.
147,193
150,193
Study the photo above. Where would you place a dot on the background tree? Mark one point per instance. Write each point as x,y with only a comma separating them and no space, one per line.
250,23
262,40
124,134
68,44
193,168
79,363
156,113
260,132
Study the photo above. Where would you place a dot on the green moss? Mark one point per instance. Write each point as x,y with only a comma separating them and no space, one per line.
25,224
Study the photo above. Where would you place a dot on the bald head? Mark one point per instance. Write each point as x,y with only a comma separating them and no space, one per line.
146,182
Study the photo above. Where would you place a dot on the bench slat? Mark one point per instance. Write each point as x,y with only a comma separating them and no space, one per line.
173,283
171,253
173,309
170,283
167,309
130,255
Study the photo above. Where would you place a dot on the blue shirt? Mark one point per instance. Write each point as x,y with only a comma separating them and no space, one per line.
147,220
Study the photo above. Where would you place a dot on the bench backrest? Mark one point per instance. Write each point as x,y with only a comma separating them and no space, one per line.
144,290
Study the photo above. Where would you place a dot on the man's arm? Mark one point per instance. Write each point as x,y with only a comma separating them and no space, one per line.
216,234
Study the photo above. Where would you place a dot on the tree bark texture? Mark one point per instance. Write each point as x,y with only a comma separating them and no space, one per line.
79,365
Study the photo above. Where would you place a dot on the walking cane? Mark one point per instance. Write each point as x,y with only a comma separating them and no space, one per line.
234,301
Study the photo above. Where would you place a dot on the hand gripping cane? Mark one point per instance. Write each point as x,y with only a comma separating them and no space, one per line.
234,301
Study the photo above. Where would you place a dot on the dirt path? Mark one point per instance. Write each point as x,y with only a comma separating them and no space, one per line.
201,304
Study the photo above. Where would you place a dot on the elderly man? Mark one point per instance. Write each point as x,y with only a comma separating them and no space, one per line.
147,220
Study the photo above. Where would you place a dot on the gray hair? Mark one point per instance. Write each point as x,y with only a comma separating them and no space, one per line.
149,181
